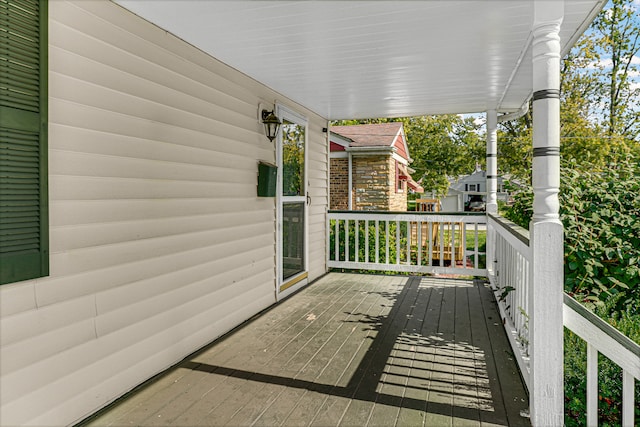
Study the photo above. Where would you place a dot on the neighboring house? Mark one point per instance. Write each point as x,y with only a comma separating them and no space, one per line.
477,181
370,167
468,192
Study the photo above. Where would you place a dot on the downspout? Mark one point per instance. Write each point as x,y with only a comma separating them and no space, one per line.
350,185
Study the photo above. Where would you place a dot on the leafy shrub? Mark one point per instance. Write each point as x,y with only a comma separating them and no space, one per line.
600,212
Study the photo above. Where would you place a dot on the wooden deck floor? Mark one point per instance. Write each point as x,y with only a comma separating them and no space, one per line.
350,350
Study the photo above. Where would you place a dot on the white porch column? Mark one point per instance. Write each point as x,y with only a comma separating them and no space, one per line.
545,324
492,161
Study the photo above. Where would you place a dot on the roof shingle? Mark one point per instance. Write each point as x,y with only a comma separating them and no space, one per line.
370,135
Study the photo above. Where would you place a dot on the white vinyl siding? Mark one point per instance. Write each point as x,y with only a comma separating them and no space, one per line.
319,192
158,241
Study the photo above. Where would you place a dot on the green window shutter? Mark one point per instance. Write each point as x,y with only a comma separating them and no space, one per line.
24,226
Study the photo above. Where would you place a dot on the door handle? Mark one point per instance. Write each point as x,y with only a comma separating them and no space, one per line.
308,199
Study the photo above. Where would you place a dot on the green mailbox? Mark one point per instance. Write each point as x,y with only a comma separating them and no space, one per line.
267,175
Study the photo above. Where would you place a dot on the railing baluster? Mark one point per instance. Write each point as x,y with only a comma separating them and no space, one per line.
628,407
377,242
386,242
513,282
463,234
366,240
527,307
452,237
431,239
357,242
441,238
476,247
397,242
346,240
407,229
516,292
419,242
336,233
592,385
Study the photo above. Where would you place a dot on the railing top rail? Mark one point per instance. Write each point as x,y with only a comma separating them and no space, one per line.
515,230
596,321
420,213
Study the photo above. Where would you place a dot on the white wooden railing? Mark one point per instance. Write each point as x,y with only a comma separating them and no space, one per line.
509,272
603,338
426,242
508,269
417,242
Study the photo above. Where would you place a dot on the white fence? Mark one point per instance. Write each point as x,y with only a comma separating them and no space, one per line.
509,271
604,338
417,242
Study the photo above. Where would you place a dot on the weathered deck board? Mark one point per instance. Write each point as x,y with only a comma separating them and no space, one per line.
350,350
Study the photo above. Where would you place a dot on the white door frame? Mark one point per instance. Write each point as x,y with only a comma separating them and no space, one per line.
291,284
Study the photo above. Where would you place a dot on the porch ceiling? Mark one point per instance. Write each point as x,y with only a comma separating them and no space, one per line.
360,59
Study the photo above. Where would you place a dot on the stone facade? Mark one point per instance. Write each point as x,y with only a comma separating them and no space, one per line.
374,182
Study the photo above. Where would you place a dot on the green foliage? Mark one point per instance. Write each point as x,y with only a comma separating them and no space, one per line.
444,146
515,147
293,159
521,211
600,212
601,216
600,98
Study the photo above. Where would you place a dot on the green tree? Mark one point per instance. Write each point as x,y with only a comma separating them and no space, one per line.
617,37
600,98
515,147
442,147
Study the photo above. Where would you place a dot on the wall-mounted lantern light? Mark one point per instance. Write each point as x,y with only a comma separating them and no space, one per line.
271,124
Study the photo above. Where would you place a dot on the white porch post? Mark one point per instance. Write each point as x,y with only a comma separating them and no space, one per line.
492,161
547,391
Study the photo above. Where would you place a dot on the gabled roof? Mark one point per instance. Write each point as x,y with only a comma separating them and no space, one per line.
370,135
375,135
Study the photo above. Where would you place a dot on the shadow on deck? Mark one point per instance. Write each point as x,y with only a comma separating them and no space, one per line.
348,350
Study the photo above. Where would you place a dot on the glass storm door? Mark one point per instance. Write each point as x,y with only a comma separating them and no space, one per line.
293,199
